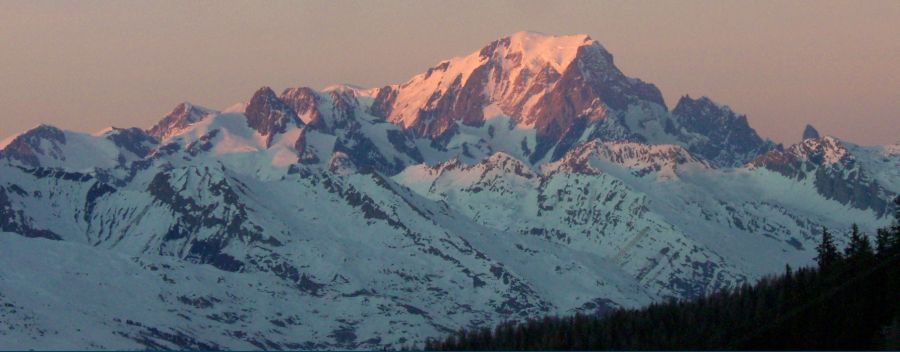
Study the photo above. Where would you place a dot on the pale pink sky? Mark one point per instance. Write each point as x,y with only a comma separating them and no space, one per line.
86,65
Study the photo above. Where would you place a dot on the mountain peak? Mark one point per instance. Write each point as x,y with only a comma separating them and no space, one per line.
28,146
183,115
305,103
534,51
351,88
810,132
703,102
729,138
263,92
825,150
269,115
543,82
133,139
41,131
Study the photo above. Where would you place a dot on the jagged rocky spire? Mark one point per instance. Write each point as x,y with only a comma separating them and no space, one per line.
730,139
810,132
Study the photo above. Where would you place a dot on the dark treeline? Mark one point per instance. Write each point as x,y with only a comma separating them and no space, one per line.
850,301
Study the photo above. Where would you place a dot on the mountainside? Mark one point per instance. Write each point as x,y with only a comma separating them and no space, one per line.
529,178
791,311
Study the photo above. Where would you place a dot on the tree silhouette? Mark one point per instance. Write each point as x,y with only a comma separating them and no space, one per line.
827,251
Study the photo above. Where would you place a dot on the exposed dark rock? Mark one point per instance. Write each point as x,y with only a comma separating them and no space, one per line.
153,339
598,306
26,147
133,140
231,225
185,114
460,102
365,155
202,144
199,302
402,143
17,222
211,251
98,190
306,154
810,132
384,102
343,107
270,116
308,285
836,174
305,101
730,139
855,188
344,335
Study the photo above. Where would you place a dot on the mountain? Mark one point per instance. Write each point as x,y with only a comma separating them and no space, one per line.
810,132
531,177
184,115
790,311
551,85
835,172
729,139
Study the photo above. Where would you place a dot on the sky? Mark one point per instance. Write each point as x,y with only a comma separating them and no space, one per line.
86,65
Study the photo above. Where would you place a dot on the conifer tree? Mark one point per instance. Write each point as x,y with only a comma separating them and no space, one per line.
883,242
859,246
828,253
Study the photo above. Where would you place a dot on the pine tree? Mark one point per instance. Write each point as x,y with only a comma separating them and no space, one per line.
855,241
828,253
883,242
859,246
897,208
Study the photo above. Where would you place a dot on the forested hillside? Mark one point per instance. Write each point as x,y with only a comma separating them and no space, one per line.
850,301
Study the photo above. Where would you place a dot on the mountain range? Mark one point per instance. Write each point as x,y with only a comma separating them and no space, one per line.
531,177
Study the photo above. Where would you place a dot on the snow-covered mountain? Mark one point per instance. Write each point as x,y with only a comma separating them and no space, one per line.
531,177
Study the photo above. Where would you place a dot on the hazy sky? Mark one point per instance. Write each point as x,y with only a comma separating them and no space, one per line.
87,65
